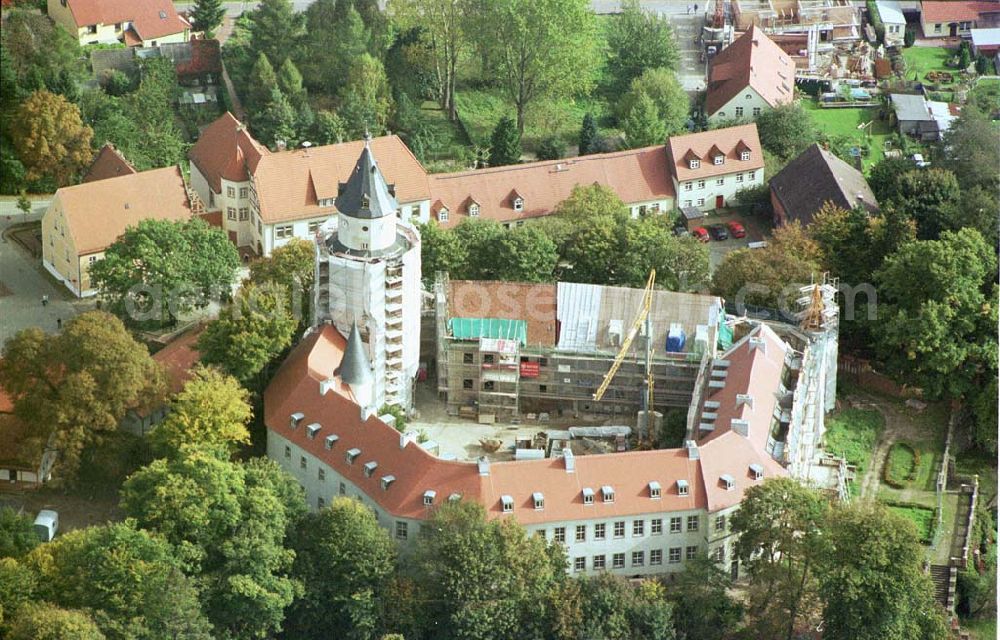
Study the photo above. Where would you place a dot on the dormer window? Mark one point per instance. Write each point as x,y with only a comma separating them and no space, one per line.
331,440
719,159
387,481
455,497
474,210
312,430
588,495
518,203
539,500
757,471
682,487
443,214
507,504
744,155
694,163
654,490
295,419
728,482
370,468
607,493
365,202
352,455
429,496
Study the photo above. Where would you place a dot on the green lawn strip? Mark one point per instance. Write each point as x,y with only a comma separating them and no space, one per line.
852,434
447,139
972,462
981,628
921,516
900,465
920,60
843,123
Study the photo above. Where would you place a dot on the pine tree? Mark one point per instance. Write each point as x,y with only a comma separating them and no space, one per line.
505,143
208,15
275,28
262,80
290,83
588,135
275,121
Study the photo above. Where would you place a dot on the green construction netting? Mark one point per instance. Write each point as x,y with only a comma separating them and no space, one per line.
472,328
725,334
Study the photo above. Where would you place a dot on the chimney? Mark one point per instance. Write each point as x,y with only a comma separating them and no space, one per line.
569,460
484,465
280,145
692,448
741,427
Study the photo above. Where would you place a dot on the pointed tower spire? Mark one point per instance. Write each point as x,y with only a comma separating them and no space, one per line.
366,195
355,369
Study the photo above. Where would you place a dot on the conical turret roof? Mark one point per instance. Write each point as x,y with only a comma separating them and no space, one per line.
366,194
354,366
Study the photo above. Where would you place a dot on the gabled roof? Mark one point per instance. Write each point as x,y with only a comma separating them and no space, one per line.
365,194
150,18
955,11
730,140
830,179
225,149
636,175
179,357
97,213
754,61
890,12
109,163
910,107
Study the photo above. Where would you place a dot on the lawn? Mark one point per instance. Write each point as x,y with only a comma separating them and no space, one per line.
843,124
920,60
982,628
922,517
852,434
900,464
481,109
446,143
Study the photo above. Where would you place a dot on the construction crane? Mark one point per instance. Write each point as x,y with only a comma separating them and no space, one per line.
640,318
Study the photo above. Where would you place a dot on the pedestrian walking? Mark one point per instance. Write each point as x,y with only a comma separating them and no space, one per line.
45,301
689,9
696,7
59,323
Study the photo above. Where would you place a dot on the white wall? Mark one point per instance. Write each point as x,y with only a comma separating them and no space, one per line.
663,205
747,100
706,194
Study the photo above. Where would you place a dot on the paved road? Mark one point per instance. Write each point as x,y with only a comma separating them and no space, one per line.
24,277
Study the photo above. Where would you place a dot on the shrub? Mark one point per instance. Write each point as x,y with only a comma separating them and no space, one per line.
551,148
909,37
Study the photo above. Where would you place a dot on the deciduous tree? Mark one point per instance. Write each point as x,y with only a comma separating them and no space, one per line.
292,266
505,143
872,581
344,561
671,101
642,124
77,385
17,536
211,412
43,621
703,608
328,128
681,263
927,196
786,130
275,29
162,268
50,138
366,100
442,25
440,250
639,40
540,48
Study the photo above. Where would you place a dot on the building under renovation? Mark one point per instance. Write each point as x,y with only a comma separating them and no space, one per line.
829,20
506,349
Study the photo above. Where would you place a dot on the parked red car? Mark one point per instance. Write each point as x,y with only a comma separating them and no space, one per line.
701,234
736,229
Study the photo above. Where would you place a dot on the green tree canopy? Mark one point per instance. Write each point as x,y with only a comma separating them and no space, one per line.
872,581
208,15
76,386
38,50
441,24
43,621
292,266
50,138
613,609
328,128
211,412
366,98
505,143
290,82
884,175
639,40
970,148
275,29
672,104
537,48
440,250
263,80
227,521
17,535
779,529
249,333
642,124
344,561
681,263
128,581
938,313
703,608
926,195
589,135
524,254
162,268
786,130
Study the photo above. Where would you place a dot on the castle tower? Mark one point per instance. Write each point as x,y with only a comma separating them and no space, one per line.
368,272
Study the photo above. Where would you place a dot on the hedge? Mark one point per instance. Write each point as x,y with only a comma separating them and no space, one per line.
898,478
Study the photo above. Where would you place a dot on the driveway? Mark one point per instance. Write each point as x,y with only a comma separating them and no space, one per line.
23,280
717,249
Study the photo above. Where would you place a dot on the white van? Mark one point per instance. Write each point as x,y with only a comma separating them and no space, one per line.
46,524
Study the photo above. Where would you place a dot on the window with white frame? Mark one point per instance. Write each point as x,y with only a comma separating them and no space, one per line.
739,112
244,192
675,524
751,176
619,531
720,554
231,213
744,155
429,496
402,530
507,504
473,209
579,563
560,534
638,558
739,177
598,562
694,163
720,181
443,214
701,184
231,192
539,501
688,186
692,552
518,204
540,533
588,495
618,561
656,526
720,523
321,474
600,531
656,557
283,231
314,227
581,533
674,555
701,202
244,214
638,528
687,203
682,487
756,111
607,493
693,523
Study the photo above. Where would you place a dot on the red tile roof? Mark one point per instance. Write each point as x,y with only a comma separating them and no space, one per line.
955,11
535,303
290,183
754,61
151,19
206,57
730,140
636,175
109,163
225,149
179,357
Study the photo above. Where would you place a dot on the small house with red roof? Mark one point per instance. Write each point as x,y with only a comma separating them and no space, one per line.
957,18
109,163
749,76
709,168
137,23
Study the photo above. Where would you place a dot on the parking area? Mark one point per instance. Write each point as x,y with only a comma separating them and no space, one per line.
757,230
75,511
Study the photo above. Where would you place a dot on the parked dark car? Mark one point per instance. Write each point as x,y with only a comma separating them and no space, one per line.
718,232
736,229
680,231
